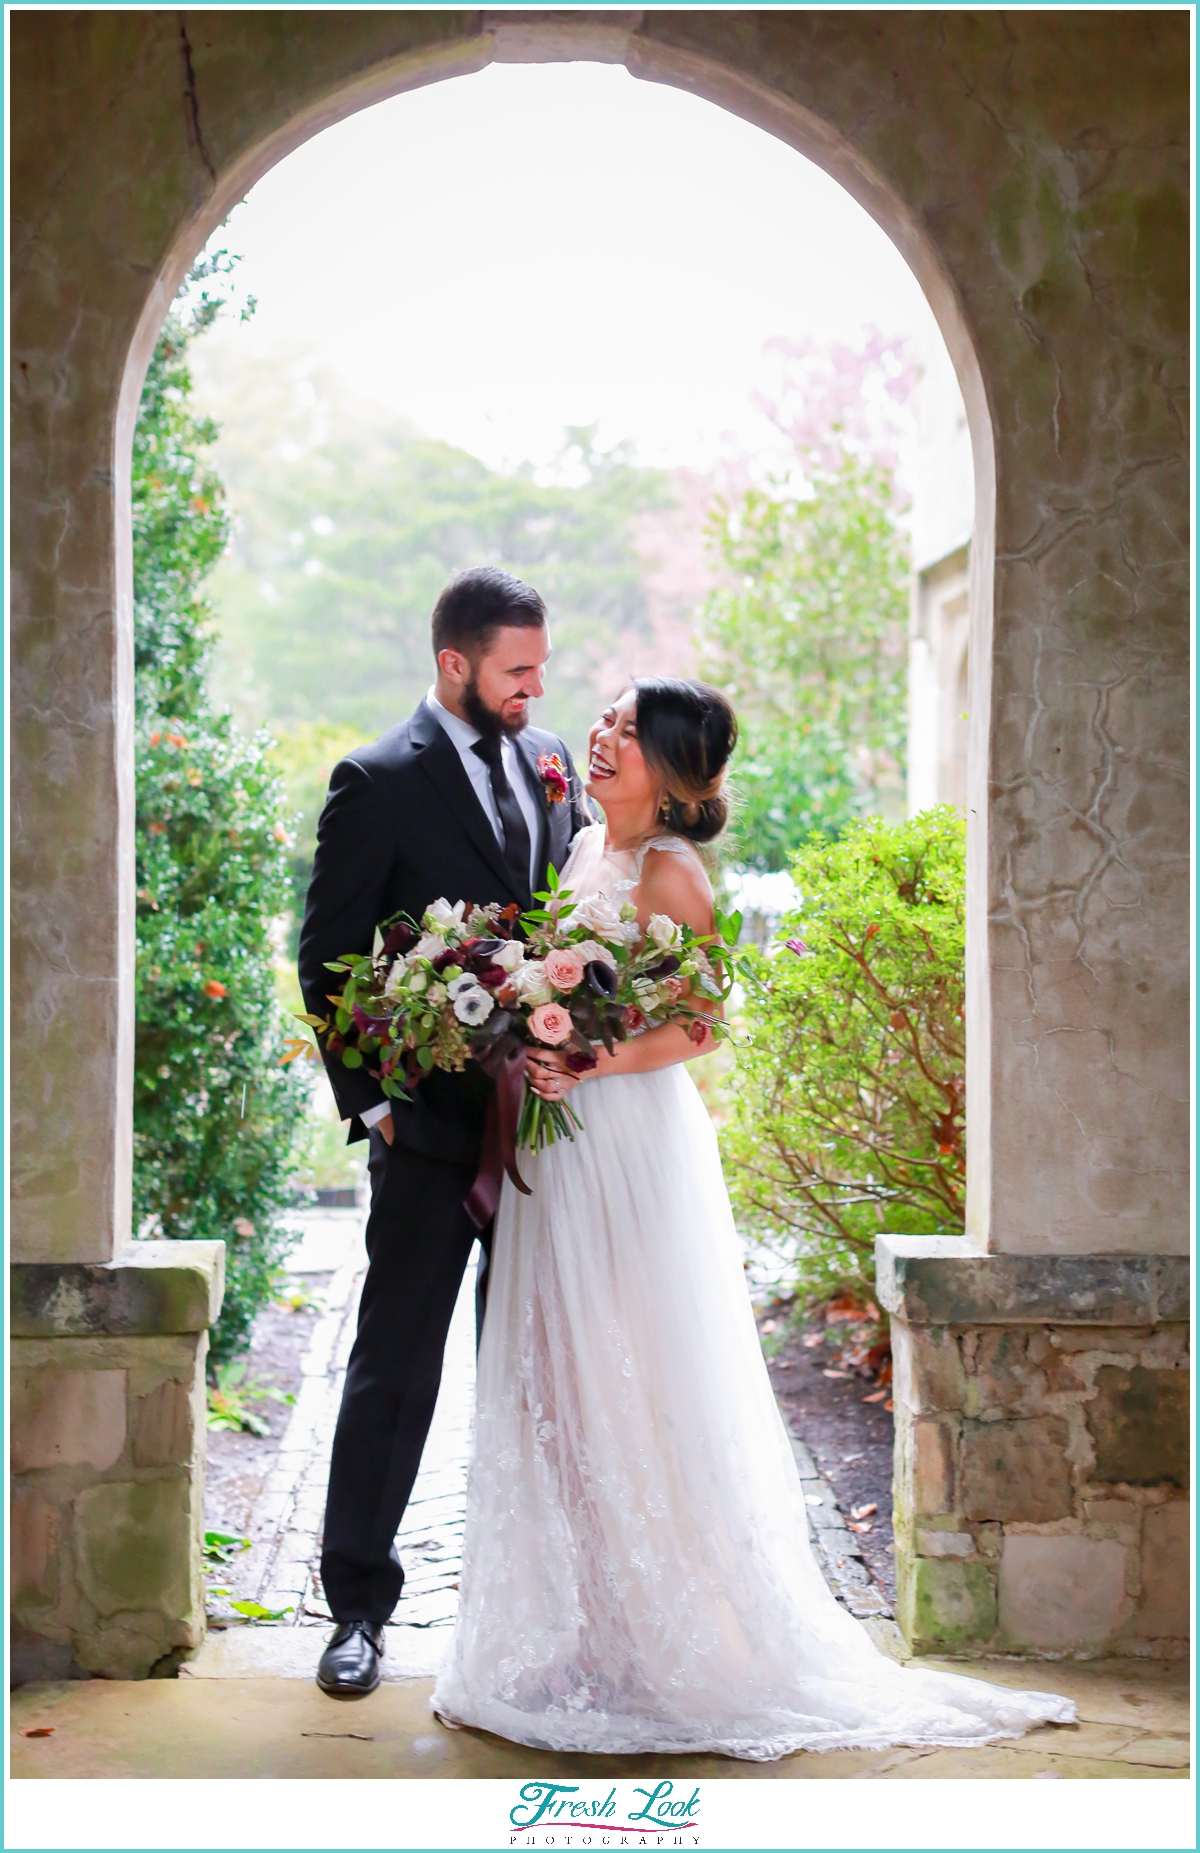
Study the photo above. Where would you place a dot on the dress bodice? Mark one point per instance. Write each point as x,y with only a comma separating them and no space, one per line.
592,868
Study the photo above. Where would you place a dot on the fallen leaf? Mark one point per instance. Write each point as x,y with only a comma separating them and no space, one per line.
40,1730
813,1340
876,1398
839,1375
360,1737
865,1526
864,1511
889,1404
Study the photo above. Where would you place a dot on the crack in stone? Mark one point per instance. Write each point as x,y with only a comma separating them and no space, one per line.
193,98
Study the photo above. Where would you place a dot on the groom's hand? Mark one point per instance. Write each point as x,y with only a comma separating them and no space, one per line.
386,1127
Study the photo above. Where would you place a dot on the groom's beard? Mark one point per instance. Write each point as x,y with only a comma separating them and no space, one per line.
484,719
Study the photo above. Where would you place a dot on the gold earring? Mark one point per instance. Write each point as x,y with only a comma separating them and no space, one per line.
664,810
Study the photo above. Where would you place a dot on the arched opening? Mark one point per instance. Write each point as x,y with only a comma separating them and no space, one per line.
546,42
228,1520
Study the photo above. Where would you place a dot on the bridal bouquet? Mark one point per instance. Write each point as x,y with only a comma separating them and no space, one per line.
459,987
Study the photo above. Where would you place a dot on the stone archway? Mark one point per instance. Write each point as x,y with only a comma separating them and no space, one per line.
1045,214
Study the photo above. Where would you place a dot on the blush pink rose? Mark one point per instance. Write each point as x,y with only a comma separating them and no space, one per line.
670,990
564,970
550,1023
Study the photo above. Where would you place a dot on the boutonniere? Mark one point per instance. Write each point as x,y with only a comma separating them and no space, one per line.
553,774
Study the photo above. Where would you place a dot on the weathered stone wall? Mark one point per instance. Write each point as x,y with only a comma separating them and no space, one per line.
107,1414
1042,1463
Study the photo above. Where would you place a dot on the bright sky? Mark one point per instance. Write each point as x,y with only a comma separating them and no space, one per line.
499,256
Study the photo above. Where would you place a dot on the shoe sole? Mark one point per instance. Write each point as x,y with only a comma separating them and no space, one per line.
347,1692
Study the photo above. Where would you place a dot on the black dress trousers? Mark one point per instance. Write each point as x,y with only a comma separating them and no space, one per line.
419,1240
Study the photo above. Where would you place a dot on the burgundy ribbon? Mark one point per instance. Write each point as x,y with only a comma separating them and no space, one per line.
499,1152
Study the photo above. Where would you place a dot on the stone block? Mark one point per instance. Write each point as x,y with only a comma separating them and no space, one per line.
946,1280
33,1548
1016,1470
1111,1512
67,1418
1139,1422
1164,1610
933,1467
1002,1372
164,1425
945,1543
952,1604
134,1546
150,1287
937,1375
1061,1592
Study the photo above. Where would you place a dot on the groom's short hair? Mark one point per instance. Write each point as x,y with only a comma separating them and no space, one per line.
477,603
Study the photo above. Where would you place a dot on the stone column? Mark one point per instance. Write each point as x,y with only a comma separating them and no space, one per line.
108,1431
1042,1449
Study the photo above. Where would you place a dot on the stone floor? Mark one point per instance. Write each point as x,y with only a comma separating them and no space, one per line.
1133,1725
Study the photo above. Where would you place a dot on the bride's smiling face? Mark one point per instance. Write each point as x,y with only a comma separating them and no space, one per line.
617,772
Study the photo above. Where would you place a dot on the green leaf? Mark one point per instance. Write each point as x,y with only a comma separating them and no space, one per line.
351,1058
254,1611
425,1057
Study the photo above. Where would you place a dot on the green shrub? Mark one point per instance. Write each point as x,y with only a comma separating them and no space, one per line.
215,1116
849,1094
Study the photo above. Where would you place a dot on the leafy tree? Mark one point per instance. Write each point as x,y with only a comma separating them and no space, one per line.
215,1116
350,521
806,636
849,1096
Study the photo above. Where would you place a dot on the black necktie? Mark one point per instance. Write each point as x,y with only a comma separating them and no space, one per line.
516,831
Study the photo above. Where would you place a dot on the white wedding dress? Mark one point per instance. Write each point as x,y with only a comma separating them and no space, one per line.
636,1570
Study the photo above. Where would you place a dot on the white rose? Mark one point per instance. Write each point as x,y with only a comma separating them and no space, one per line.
442,918
427,947
663,931
511,956
532,984
591,949
600,916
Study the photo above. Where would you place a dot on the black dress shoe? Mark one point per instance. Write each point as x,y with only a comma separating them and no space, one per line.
349,1667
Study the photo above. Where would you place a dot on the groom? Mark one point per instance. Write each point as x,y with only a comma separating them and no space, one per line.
449,804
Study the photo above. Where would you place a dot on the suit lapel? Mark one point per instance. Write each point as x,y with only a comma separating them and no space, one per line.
527,758
439,760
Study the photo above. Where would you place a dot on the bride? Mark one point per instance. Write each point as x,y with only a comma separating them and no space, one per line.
636,1570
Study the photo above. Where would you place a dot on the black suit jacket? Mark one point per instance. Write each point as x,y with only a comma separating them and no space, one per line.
401,828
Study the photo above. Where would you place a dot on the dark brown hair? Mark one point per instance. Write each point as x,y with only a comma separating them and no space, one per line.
477,603
687,731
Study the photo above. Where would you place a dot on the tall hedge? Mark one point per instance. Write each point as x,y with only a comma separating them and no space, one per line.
215,1115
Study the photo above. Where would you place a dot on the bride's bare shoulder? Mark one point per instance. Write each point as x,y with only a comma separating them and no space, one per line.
675,882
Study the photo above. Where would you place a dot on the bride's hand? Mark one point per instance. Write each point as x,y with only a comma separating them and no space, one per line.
549,1076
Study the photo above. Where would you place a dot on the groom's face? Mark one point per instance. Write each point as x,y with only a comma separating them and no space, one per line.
506,677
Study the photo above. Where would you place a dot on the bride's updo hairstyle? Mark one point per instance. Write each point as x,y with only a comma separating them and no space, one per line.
687,731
